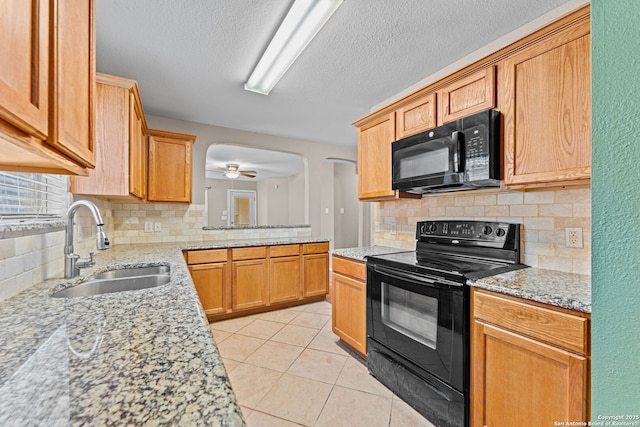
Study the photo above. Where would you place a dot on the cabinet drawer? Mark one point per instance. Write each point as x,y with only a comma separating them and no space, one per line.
238,254
206,256
350,268
315,248
555,327
284,250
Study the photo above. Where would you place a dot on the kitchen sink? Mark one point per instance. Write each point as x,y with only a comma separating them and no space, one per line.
126,279
133,271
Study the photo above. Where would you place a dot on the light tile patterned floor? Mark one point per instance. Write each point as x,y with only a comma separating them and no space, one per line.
287,369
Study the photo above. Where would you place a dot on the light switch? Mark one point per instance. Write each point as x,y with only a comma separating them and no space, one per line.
157,227
342,210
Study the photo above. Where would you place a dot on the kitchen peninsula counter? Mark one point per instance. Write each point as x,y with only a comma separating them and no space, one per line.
132,358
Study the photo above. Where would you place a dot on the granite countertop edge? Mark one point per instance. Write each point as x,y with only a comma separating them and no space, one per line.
253,227
156,361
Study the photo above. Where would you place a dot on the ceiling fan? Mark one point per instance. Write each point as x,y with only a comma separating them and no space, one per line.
233,171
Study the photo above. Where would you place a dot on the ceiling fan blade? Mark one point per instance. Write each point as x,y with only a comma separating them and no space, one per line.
249,174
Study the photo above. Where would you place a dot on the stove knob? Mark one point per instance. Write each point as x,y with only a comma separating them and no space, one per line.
432,228
500,232
486,230
423,228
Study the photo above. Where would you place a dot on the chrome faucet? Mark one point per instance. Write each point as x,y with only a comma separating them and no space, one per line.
72,262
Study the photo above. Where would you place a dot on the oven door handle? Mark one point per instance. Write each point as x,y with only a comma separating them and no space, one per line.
429,280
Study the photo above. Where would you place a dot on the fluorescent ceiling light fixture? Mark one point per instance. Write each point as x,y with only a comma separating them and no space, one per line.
302,23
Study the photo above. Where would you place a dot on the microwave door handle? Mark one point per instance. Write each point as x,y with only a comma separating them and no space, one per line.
457,157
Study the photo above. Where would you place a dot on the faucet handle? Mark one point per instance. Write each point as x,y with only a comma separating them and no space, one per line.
91,260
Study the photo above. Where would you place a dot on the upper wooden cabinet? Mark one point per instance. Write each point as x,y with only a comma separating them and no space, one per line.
374,159
546,103
170,164
121,146
468,95
417,116
47,81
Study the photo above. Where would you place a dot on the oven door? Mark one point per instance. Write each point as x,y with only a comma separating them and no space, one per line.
421,318
432,159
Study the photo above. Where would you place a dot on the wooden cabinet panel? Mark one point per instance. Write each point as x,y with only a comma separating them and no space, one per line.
374,158
468,95
416,117
315,248
348,267
284,279
211,282
560,329
524,382
248,253
120,144
137,148
544,382
169,173
249,284
316,275
24,65
284,250
206,256
546,101
348,301
71,128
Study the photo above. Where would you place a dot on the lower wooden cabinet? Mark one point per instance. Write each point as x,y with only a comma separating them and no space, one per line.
210,281
315,267
210,273
235,282
529,363
348,301
284,279
249,284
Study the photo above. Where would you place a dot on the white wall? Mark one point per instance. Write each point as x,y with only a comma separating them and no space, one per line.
319,177
345,193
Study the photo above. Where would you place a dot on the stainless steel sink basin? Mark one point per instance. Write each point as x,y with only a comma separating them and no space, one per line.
133,271
136,279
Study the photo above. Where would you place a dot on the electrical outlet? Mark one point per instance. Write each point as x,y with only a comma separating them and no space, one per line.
573,237
157,227
394,228
377,227
148,227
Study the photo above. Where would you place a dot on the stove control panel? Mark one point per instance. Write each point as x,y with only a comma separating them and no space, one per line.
482,231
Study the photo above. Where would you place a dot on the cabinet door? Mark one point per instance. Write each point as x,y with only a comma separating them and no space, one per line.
416,117
71,126
210,282
546,102
518,381
349,311
137,149
249,284
284,279
468,95
24,66
316,275
374,158
169,173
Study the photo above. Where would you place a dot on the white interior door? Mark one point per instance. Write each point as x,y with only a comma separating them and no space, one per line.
242,208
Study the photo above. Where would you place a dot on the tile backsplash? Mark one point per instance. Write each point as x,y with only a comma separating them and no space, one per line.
544,214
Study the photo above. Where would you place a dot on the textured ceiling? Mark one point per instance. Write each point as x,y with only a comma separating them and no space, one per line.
192,57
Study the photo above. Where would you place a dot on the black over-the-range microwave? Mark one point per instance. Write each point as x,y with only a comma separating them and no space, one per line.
461,155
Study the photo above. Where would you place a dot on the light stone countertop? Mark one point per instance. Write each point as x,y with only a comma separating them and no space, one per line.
360,253
253,227
142,357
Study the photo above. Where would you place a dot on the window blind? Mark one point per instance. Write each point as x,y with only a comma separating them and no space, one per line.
32,196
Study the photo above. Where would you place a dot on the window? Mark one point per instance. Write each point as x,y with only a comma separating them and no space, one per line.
32,196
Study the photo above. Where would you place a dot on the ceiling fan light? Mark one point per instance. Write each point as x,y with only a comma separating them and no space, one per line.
233,174
302,23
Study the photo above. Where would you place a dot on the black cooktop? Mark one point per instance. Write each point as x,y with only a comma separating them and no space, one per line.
438,264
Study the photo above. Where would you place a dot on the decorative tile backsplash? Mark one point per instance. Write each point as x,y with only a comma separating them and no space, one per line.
544,214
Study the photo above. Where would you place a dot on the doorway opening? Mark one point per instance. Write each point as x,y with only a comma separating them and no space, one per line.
241,205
